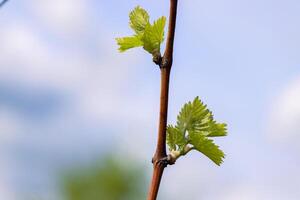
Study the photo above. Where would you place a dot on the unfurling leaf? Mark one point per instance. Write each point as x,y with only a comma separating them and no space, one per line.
146,35
154,35
195,124
126,43
139,18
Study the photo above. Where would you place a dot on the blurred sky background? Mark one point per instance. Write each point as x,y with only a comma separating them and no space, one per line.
67,96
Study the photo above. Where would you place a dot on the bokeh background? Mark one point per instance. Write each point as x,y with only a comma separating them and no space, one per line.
77,116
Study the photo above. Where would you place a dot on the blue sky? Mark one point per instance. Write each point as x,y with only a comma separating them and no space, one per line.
67,96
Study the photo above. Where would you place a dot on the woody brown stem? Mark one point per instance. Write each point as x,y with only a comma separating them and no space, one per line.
160,158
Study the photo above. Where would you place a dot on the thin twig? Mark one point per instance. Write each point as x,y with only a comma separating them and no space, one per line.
160,159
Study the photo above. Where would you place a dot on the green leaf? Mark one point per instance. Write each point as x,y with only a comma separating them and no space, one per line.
139,18
126,43
217,130
207,147
194,116
158,29
147,35
154,35
195,124
175,139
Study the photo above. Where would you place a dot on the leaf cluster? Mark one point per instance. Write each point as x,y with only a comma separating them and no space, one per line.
146,35
194,129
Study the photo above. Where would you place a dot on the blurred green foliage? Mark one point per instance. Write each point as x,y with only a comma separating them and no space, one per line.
109,179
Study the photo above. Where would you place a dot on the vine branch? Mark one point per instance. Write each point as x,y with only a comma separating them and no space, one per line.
160,159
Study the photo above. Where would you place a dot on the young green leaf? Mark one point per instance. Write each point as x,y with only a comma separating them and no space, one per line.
154,35
195,124
194,116
139,18
207,147
217,130
175,139
126,43
146,35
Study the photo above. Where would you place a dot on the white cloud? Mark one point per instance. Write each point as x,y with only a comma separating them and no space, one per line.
95,84
26,57
63,17
20,45
284,116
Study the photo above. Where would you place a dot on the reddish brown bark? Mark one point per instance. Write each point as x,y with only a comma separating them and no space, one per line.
160,156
